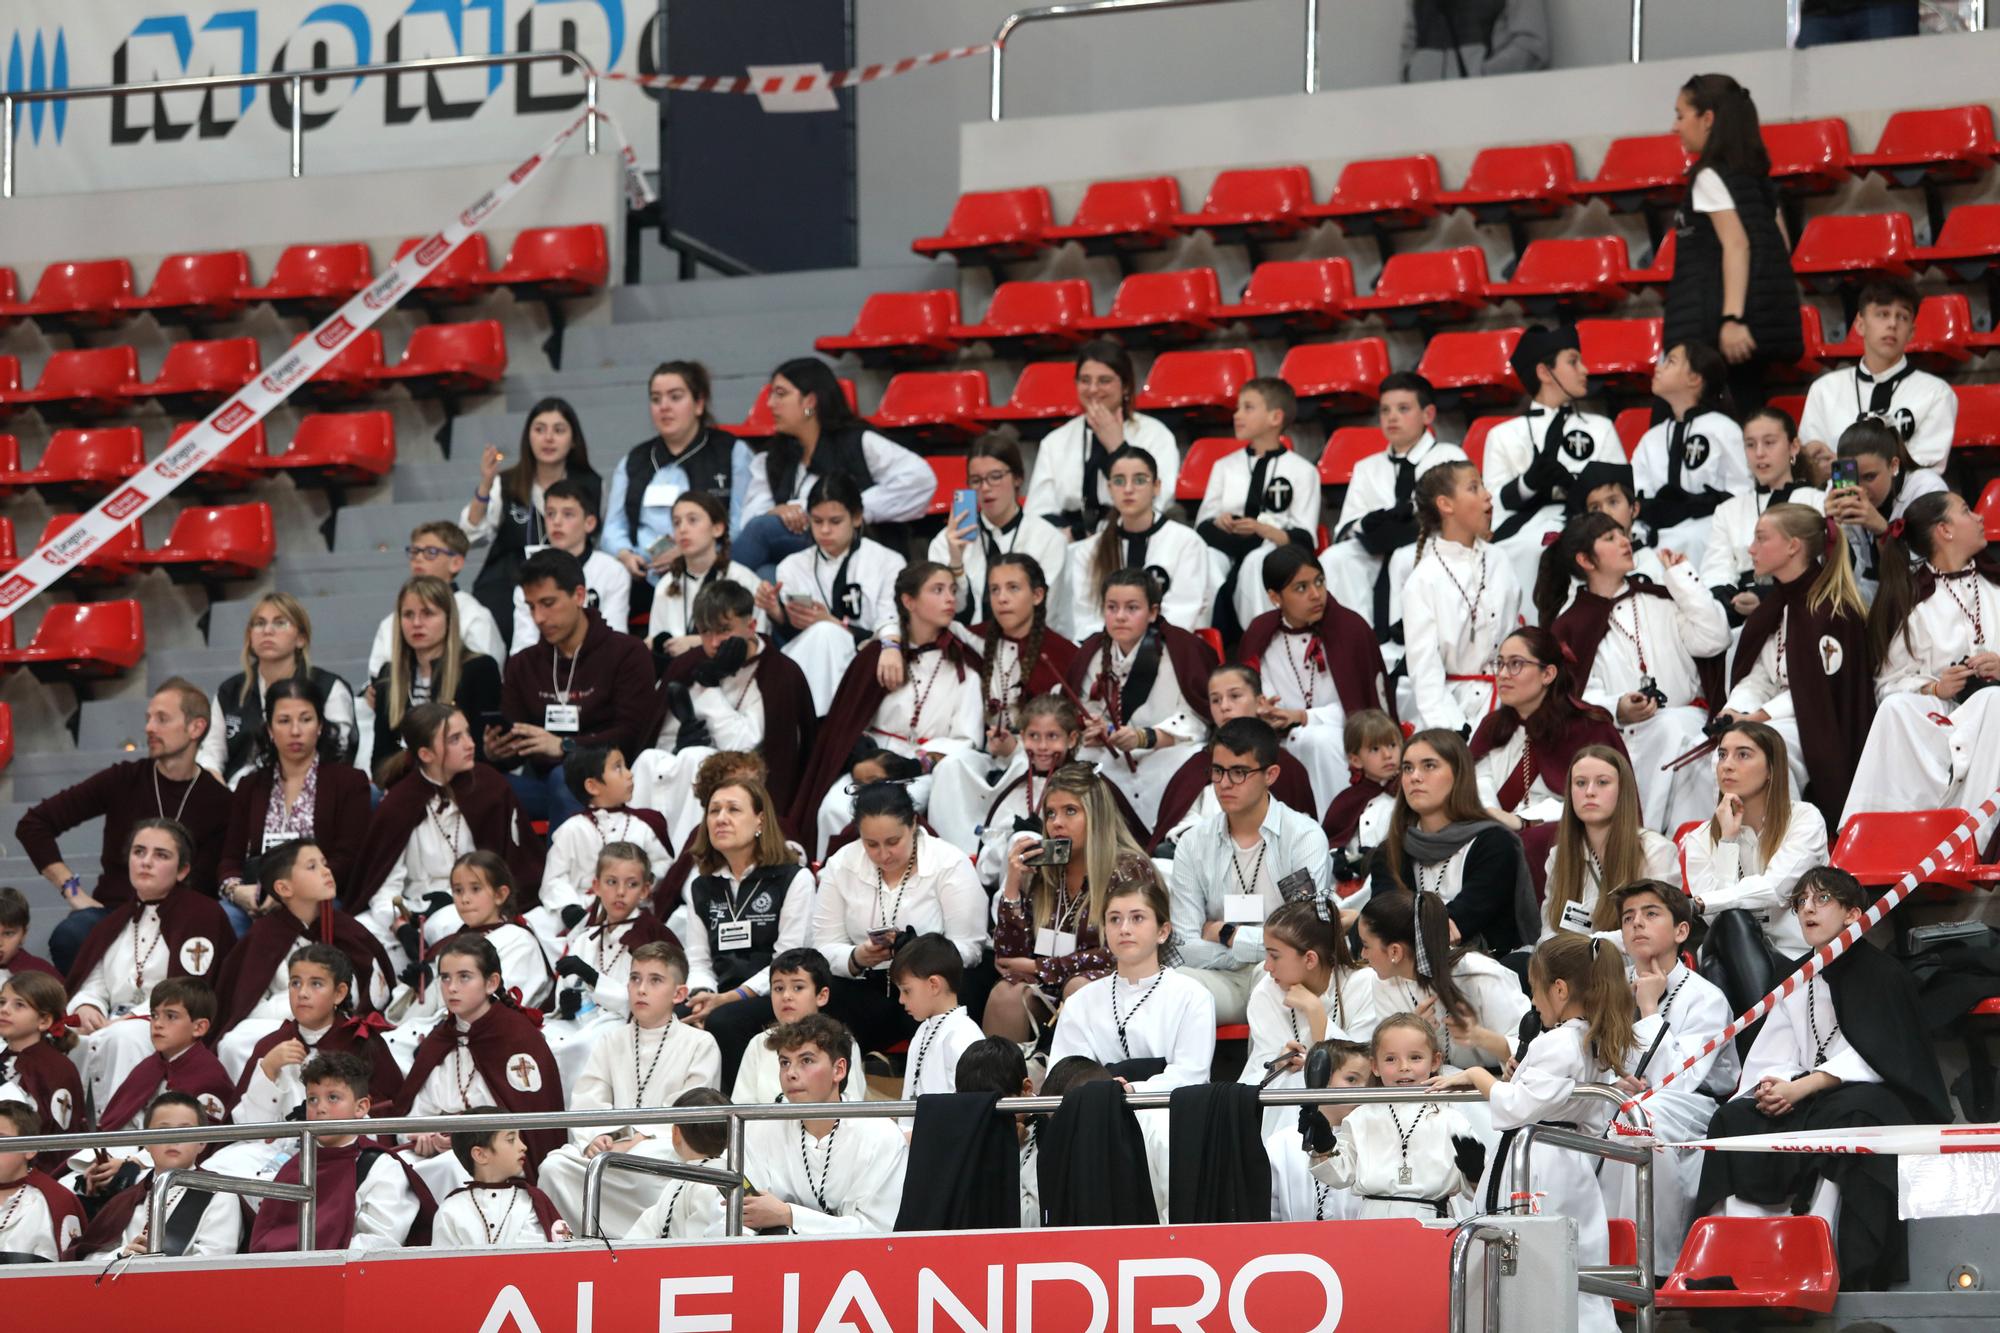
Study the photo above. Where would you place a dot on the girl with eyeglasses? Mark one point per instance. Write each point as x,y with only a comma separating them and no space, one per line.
1135,535
1521,751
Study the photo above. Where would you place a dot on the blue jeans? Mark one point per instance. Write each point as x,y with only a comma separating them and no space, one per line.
66,940
239,920
544,795
1887,18
764,541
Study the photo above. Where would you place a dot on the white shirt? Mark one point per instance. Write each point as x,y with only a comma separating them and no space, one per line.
1165,1017
606,585
673,610
902,484
1459,604
1349,999
1692,1013
1165,708
1494,992
1940,632
1543,1085
114,986
1923,409
1512,446
733,710
572,861
1786,1047
219,1231
1712,457
1178,560
31,1229
1056,485
1295,1195
1374,484
454,1086
425,866
1377,1142
630,1066
385,1207
686,1210
794,932
757,1082
1672,632
481,1219
1732,874
872,573
938,707
1293,504
1033,536
1710,194
1663,862
1726,559
265,1099
476,629
941,895
856,1171
934,1050
524,966
1203,877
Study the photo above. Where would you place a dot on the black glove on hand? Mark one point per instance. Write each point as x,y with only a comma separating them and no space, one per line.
1315,1135
571,915
415,975
573,966
724,662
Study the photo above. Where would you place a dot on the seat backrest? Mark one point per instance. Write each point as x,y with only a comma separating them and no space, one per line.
1955,130
1538,169
191,278
1346,447
236,531
1970,225
212,360
1198,462
89,370
1879,848
1000,214
1460,271
95,452
1354,366
1459,356
479,340
1631,424
1260,191
10,374
323,267
365,439
1761,1253
10,453
1046,386
579,252
93,629
122,541
1135,204
1572,258
1800,147
1063,301
1192,291
1220,372
6,538
1322,281
1474,443
949,469
928,392
1619,341
1643,157
248,445
1387,182
467,260
1942,321
1868,236
83,284
903,314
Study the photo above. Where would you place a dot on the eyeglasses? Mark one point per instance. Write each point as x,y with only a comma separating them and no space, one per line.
1233,776
1132,479
1816,898
1514,666
427,552
1000,478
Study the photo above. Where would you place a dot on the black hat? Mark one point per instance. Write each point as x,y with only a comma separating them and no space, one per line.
1594,475
1539,346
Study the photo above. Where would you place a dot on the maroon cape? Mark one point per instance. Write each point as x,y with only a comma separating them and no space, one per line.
1052,660
668,892
1190,659
337,1180
545,1209
23,961
1293,788
195,1071
197,932
361,1036
504,1043
1343,816
62,1205
1832,681
642,927
495,817
106,1229
1549,754
789,722
850,714
1582,627
276,936
47,1075
340,819
1353,657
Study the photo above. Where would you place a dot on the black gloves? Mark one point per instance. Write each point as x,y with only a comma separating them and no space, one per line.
571,915
725,662
1315,1135
573,966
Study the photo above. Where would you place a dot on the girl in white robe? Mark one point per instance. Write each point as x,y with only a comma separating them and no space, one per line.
996,478
1460,602
1397,1159
833,593
1473,1004
1778,475
1050,731
701,546
1145,1010
1687,465
1382,485
482,893
1137,744
1311,991
1135,536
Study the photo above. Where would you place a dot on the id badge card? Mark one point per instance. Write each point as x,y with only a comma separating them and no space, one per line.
1243,909
561,718
732,935
1576,918
1298,887
274,839
1053,943
660,495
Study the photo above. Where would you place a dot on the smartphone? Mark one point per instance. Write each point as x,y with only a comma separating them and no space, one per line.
493,722
1052,852
798,599
965,511
1846,472
881,939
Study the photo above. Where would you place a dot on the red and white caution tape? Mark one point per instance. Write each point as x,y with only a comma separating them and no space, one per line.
256,400
773,85
1891,1140
1817,961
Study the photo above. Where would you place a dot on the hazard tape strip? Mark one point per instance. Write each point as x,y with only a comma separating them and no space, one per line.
1818,960
257,399
797,83
1891,1140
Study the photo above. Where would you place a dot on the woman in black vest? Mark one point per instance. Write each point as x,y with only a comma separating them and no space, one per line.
1733,286
686,454
552,449
277,645
818,435
750,900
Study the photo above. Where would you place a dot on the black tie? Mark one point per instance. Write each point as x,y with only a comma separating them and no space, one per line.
1676,452
1096,468
1406,481
1552,437
1253,503
1884,392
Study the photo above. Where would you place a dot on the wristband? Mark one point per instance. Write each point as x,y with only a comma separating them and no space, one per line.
72,886
1152,739
1732,319
1227,935
743,993
478,498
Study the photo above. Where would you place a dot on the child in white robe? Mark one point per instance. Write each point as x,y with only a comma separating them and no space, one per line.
1311,991
482,894
1134,536
1138,745
1297,1195
689,1209
830,596
496,1208
801,984
927,975
1258,497
1687,465
1459,603
1397,1159
1144,1013
601,780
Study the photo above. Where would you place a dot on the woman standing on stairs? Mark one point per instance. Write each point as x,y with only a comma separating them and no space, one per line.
551,450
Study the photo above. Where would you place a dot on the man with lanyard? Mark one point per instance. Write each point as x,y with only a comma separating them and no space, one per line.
167,784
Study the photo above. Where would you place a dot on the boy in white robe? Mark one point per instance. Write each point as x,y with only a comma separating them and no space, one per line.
1920,406
602,781
1258,498
198,1227
927,974
801,984
690,1209
496,1207
820,1177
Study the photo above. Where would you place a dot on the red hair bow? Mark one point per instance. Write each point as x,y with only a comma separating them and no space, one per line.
61,1025
368,1025
1896,528
514,1000
1551,538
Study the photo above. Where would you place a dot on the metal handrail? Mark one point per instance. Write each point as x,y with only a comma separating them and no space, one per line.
300,1194
593,1181
1632,1283
296,81
1085,8
1461,1264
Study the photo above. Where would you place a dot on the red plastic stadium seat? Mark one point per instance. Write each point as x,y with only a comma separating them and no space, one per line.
1200,459
1808,156
1941,340
1880,848
1123,216
1429,286
6,734
1792,404
460,278
1200,385
217,542
315,278
1531,181
85,382
8,556
1659,270
1810,365
1033,317
80,294
992,227
338,449
1647,171
10,468
933,406
94,640
1968,244
1227,1031
1621,352
950,472
899,329
1585,273
1624,1250
199,374
1213,638
550,262
451,359
1474,442
758,426
1385,194
1253,204
1044,395
114,559
10,384
1293,296
1953,143
195,288
1473,367
87,462
351,375
10,296
232,469
1337,377
1633,423
1781,1263
1989,509
1346,447
1173,307
1835,247
1978,416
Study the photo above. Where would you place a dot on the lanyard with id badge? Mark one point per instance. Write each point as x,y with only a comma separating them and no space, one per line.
562,718
1249,909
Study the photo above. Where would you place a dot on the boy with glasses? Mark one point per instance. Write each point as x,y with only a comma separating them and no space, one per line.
438,550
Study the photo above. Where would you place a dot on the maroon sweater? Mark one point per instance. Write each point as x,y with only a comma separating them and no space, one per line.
612,689
122,795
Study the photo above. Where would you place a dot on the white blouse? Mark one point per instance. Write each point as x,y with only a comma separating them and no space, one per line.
1056,484
941,894
1459,604
1178,560
1670,633
1165,1017
1732,874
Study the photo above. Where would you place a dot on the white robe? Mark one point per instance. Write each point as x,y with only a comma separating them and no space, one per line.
1459,604
1713,459
1055,485
424,868
858,1175
1291,501
121,986
1767,687
685,1210
993,834
1491,770
1032,536
1733,874
1494,992
1923,409
276,1006
758,1083
933,1057
218,1233
1178,559
663,777
901,484
31,1229
961,791
524,966
1296,1196
1862,547
673,608
1350,570
268,1100
602,1006
1165,1017
942,895
938,709
1376,1142
571,865
1734,523
1321,744
1511,448
824,650
490,1219
1143,775
1350,1016
1663,862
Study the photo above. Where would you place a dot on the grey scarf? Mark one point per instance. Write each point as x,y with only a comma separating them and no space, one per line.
1431,848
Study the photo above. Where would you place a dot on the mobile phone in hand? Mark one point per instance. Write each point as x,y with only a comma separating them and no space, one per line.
965,512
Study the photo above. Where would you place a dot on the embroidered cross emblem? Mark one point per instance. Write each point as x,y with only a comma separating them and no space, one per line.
198,951
523,1070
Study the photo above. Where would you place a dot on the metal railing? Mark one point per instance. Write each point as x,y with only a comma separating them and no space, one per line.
593,1181
1631,1283
301,1194
1085,8
295,81
1492,1238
